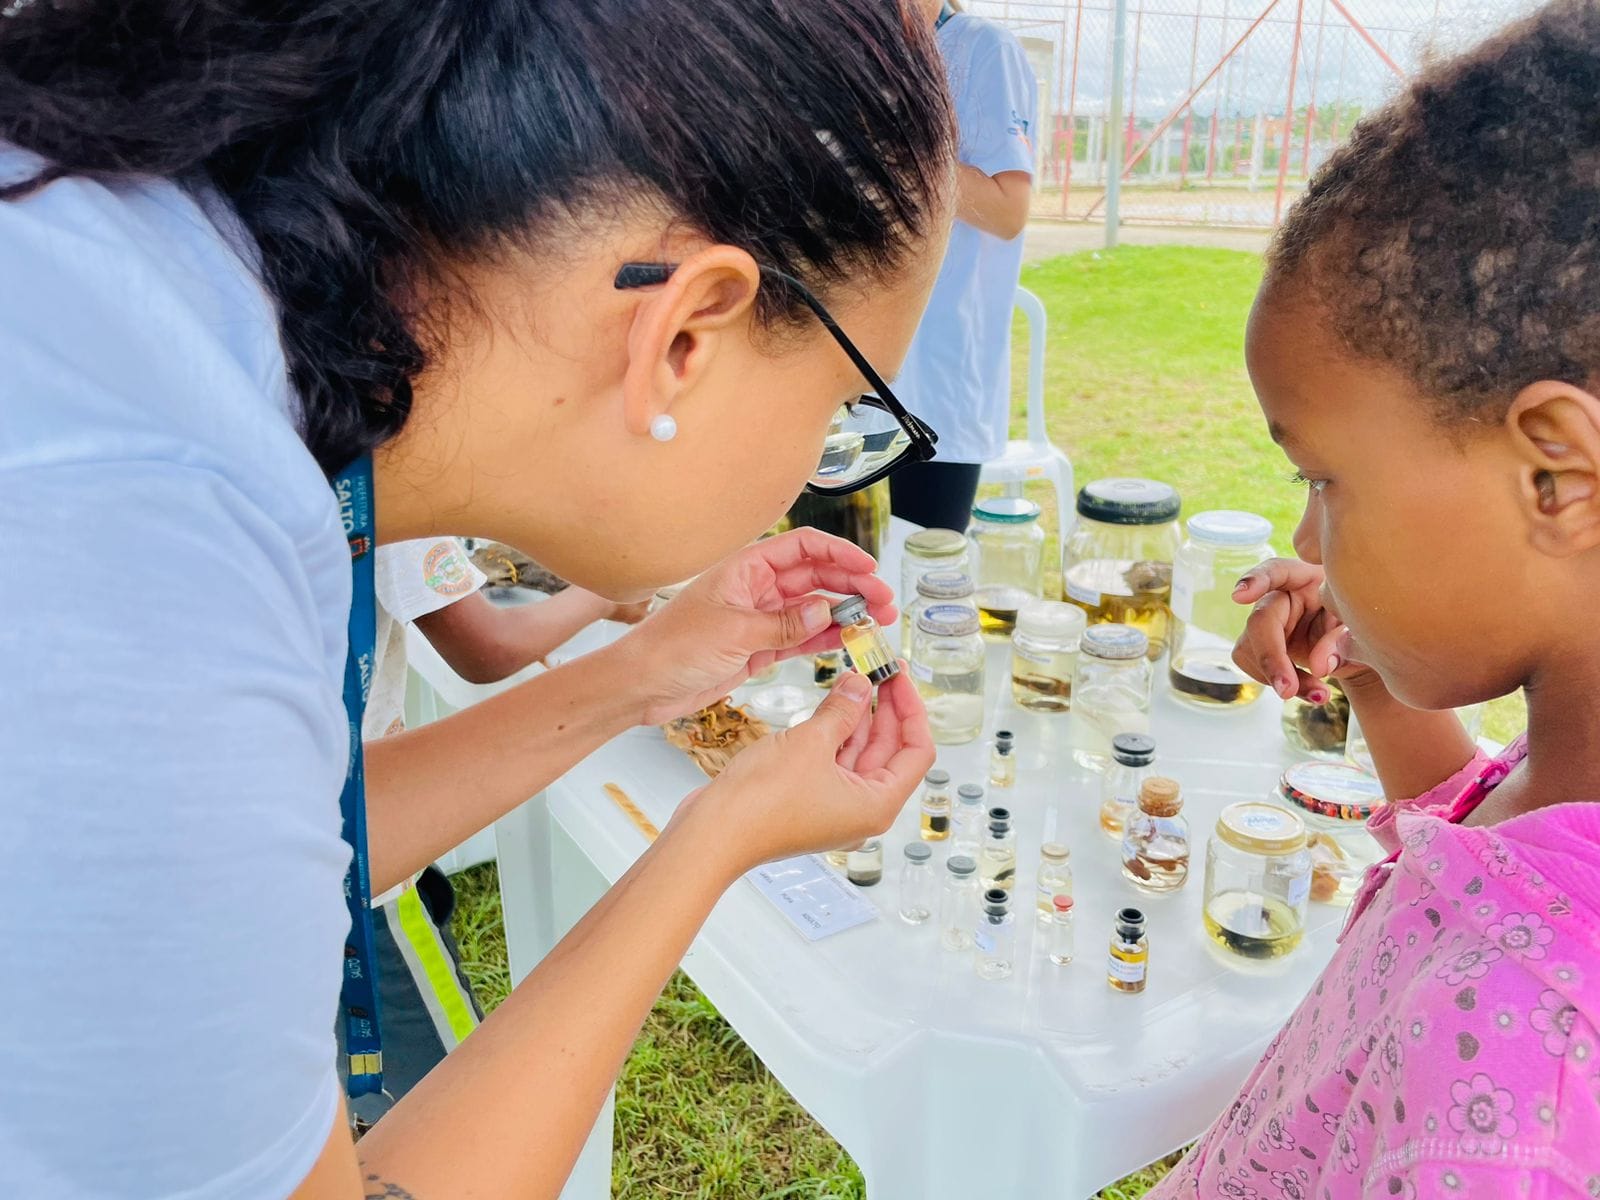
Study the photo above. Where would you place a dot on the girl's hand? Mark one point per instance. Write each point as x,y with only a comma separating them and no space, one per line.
832,781
1292,642
743,615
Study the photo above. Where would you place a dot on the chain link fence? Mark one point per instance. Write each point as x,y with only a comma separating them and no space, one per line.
1226,105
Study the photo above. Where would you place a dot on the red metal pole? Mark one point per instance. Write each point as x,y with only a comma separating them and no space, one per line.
1288,111
1211,147
1311,103
1133,84
1361,31
1166,122
1072,113
1188,113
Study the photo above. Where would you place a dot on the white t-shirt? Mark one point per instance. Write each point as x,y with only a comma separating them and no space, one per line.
172,735
957,374
412,579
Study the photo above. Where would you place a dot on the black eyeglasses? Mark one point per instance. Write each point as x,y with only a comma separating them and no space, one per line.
869,437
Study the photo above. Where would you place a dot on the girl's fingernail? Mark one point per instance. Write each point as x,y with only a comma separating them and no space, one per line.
1334,662
1319,696
1242,584
1285,686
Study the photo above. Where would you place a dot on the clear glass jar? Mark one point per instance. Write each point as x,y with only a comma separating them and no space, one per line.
997,856
934,587
1320,729
916,884
1258,881
865,647
1054,879
1008,559
1044,655
947,665
1155,846
1335,801
994,936
1003,759
1133,757
935,823
1110,693
928,550
958,905
969,822
1222,545
1061,937
1128,966
1117,565
863,866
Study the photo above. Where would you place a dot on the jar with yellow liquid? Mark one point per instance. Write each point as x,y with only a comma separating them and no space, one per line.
1007,560
1117,565
1206,621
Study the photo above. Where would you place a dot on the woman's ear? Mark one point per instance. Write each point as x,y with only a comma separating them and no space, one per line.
1555,434
680,328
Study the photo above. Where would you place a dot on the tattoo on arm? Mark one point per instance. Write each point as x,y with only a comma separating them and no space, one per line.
377,1189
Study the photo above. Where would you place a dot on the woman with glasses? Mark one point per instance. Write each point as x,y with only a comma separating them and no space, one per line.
601,279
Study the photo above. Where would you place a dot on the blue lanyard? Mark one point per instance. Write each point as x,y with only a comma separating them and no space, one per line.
358,997
945,14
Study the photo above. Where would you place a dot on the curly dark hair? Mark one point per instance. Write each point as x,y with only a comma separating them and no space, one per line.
365,142
1456,237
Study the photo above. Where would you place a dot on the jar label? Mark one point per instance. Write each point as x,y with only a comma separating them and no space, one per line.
1083,595
1299,890
1033,656
1127,972
922,671
983,939
1183,595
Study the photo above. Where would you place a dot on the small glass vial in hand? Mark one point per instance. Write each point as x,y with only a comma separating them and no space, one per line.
994,937
916,884
1133,757
957,902
863,641
936,805
1054,879
969,821
1003,760
1155,847
1128,966
1059,934
997,859
863,866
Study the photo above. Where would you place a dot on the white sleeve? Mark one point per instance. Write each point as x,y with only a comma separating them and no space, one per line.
418,577
171,910
998,109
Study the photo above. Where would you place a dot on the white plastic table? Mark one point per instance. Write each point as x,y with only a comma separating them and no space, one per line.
938,1083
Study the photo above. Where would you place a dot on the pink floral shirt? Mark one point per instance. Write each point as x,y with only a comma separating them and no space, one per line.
1449,1051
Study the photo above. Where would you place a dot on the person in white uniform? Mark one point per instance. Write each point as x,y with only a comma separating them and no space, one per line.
554,272
957,374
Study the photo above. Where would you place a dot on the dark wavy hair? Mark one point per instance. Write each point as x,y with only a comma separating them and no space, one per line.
365,142
1456,236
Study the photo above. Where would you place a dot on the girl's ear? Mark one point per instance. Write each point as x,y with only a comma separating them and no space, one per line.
1555,434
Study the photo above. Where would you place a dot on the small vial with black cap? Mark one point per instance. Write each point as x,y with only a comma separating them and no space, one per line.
868,650
994,937
1128,967
1003,760
997,857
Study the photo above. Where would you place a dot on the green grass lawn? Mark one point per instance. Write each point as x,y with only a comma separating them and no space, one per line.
1144,376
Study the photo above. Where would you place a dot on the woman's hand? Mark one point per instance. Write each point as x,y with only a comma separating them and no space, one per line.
1292,641
835,779
744,614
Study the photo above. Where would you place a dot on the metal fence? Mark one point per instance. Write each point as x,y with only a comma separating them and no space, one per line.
1224,106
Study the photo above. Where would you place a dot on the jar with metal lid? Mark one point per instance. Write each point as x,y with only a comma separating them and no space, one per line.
947,665
1007,559
1044,655
1110,691
1117,565
1206,621
1258,881
927,550
933,587
1334,800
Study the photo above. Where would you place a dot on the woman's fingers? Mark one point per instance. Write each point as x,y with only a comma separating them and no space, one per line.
831,577
900,751
804,545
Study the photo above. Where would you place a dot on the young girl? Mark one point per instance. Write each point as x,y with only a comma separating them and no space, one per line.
1425,349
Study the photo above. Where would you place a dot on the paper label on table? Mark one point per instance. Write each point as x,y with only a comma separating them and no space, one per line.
1083,595
1183,595
813,898
922,671
1127,972
1299,890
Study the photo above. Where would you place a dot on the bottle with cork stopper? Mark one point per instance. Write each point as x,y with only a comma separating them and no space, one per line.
1155,845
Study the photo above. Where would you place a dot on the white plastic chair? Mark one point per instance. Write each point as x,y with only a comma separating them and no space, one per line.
1036,457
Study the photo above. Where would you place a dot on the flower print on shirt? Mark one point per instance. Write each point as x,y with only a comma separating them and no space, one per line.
1470,964
1385,960
1482,1114
1526,934
1276,1135
1553,1019
1292,1185
1496,859
1237,1186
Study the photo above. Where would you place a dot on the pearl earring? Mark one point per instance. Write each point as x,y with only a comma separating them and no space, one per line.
663,428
